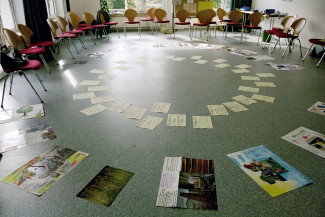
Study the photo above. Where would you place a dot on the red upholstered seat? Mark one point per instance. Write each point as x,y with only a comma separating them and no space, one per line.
182,23
43,44
213,22
111,23
162,21
66,35
225,20
146,19
272,32
87,28
132,22
252,27
234,24
284,35
33,50
200,24
74,31
32,64
82,25
98,26
316,41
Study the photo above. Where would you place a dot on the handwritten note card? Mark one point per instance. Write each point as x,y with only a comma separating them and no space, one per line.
93,109
265,84
119,107
136,113
235,106
249,89
250,78
97,88
263,98
221,65
202,122
83,95
107,77
217,110
239,71
176,120
161,107
244,100
150,122
219,60
97,71
243,66
101,99
265,75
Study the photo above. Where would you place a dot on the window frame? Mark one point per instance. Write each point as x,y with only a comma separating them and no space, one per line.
13,16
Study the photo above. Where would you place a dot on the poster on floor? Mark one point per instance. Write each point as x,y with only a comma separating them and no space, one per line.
268,170
21,113
106,185
318,108
27,136
307,139
244,52
260,58
187,183
283,67
39,174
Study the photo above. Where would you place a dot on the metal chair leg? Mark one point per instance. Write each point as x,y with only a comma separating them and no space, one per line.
68,48
11,81
308,52
31,86
277,41
40,81
4,89
45,63
320,59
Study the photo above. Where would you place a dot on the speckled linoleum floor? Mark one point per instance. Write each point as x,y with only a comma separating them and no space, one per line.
111,139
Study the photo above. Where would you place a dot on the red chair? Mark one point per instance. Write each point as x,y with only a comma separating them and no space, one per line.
61,37
75,21
32,64
255,19
316,41
286,23
204,18
109,24
297,27
235,17
62,23
182,15
90,19
27,33
150,19
160,14
131,14
13,39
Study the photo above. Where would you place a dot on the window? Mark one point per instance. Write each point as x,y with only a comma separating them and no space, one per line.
224,4
7,14
51,8
138,5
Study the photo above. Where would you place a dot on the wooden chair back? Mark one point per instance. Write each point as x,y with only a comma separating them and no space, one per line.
235,16
89,18
130,14
212,14
286,23
26,33
255,18
203,16
62,23
150,12
102,19
298,26
182,15
12,37
221,13
74,19
53,27
160,14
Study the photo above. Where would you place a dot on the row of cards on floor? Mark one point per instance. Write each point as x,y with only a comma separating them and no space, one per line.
185,182
151,122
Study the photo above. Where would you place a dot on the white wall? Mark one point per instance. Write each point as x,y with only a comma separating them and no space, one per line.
19,11
80,6
313,11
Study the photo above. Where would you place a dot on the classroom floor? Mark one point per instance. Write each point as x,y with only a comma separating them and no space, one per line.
113,140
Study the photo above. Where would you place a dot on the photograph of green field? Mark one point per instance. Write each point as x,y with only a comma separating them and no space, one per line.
106,185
